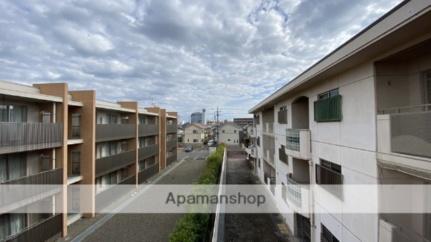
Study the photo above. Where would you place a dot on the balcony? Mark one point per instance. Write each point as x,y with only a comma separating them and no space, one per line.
298,143
29,194
148,151
171,128
405,133
148,130
171,144
144,175
39,232
17,137
107,132
170,159
111,163
114,192
298,196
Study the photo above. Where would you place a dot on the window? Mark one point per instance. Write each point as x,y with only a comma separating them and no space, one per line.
76,125
328,94
282,115
328,173
327,236
76,163
13,113
234,131
195,131
12,167
222,131
328,107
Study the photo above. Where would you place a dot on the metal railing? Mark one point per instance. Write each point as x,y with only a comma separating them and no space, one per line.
75,132
147,173
171,159
114,162
17,137
148,151
171,128
171,144
148,129
106,132
406,109
292,139
41,231
52,177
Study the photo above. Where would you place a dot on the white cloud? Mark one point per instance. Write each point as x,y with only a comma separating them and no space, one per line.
182,54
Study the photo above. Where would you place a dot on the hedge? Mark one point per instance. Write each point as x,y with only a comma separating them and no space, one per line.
193,227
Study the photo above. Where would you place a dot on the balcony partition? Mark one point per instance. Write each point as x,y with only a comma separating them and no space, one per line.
148,130
107,132
111,163
17,137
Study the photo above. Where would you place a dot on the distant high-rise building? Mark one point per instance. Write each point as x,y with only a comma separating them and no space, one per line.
198,117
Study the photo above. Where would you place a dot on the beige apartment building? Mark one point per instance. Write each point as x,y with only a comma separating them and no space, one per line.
52,135
361,115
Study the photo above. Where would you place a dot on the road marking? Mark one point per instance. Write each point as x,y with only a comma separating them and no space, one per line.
88,231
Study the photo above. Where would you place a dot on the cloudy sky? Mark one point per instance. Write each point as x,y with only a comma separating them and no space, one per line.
181,54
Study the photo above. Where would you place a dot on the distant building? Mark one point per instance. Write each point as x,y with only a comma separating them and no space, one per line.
198,117
243,121
194,134
229,133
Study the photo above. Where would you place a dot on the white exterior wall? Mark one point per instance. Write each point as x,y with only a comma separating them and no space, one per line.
189,136
229,134
350,143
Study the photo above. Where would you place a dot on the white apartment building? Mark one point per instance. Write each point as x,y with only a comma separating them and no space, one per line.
361,115
229,133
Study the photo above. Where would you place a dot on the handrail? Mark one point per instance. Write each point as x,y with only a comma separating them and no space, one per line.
400,109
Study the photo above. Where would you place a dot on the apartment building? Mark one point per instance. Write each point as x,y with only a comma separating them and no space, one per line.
361,115
52,135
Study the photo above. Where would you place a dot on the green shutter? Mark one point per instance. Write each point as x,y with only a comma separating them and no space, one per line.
328,109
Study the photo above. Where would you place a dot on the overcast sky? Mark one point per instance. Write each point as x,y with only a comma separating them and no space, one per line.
181,54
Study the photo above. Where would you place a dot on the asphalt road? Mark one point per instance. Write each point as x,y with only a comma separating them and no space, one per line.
152,227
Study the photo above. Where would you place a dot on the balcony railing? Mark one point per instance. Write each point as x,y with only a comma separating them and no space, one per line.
40,231
171,144
298,143
171,128
298,195
148,151
405,133
106,132
171,159
326,176
107,164
148,130
51,177
114,192
17,137
144,175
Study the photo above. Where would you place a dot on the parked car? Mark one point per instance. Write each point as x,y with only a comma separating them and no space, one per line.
188,148
211,142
